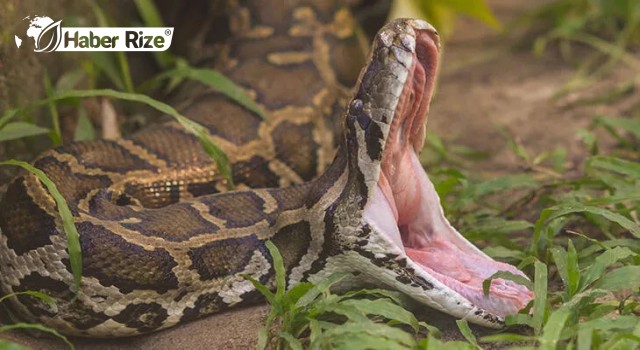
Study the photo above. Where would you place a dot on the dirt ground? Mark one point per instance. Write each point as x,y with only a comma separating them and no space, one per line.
484,82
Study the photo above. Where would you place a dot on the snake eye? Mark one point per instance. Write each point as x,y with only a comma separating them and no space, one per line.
356,106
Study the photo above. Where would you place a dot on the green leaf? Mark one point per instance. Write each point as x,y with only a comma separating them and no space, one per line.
553,329
350,312
602,262
198,130
573,269
463,326
568,268
540,291
56,135
294,343
294,294
38,327
7,116
626,277
18,130
278,265
504,183
505,275
369,330
507,337
320,287
477,9
561,210
149,13
218,82
396,297
500,225
384,308
39,295
616,165
271,299
500,252
9,345
151,17
84,130
630,125
73,241
104,63
263,338
69,79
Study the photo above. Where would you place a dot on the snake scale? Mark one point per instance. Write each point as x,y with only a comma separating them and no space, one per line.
331,177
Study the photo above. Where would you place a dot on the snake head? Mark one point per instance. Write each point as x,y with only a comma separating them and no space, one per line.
403,235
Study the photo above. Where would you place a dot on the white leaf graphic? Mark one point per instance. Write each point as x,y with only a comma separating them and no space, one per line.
56,36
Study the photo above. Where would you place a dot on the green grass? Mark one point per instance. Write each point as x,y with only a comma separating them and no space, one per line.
8,345
610,29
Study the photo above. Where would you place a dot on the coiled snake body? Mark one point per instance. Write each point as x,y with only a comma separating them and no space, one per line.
162,241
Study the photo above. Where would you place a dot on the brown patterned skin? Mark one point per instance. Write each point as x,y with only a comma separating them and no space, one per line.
147,228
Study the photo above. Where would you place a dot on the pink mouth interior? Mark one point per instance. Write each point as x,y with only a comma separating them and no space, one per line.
407,208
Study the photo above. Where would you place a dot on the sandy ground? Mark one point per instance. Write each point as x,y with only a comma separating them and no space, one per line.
483,83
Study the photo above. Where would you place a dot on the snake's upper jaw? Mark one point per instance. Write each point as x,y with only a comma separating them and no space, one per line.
442,268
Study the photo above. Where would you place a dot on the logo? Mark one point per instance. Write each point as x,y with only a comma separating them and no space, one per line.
48,36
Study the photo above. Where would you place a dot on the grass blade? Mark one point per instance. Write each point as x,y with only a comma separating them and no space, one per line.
9,345
506,275
151,17
477,9
602,262
384,308
616,165
278,265
7,116
38,327
553,329
540,290
73,238
56,134
561,210
261,288
463,326
626,277
218,82
322,286
39,295
293,342
18,130
198,130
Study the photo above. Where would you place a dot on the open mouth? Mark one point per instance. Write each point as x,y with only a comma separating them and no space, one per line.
406,207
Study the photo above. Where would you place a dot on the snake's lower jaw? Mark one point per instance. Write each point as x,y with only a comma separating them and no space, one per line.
437,265
406,210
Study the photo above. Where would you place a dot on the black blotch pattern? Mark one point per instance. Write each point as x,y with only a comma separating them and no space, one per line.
115,262
205,304
78,314
25,224
374,137
225,257
144,317
293,239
